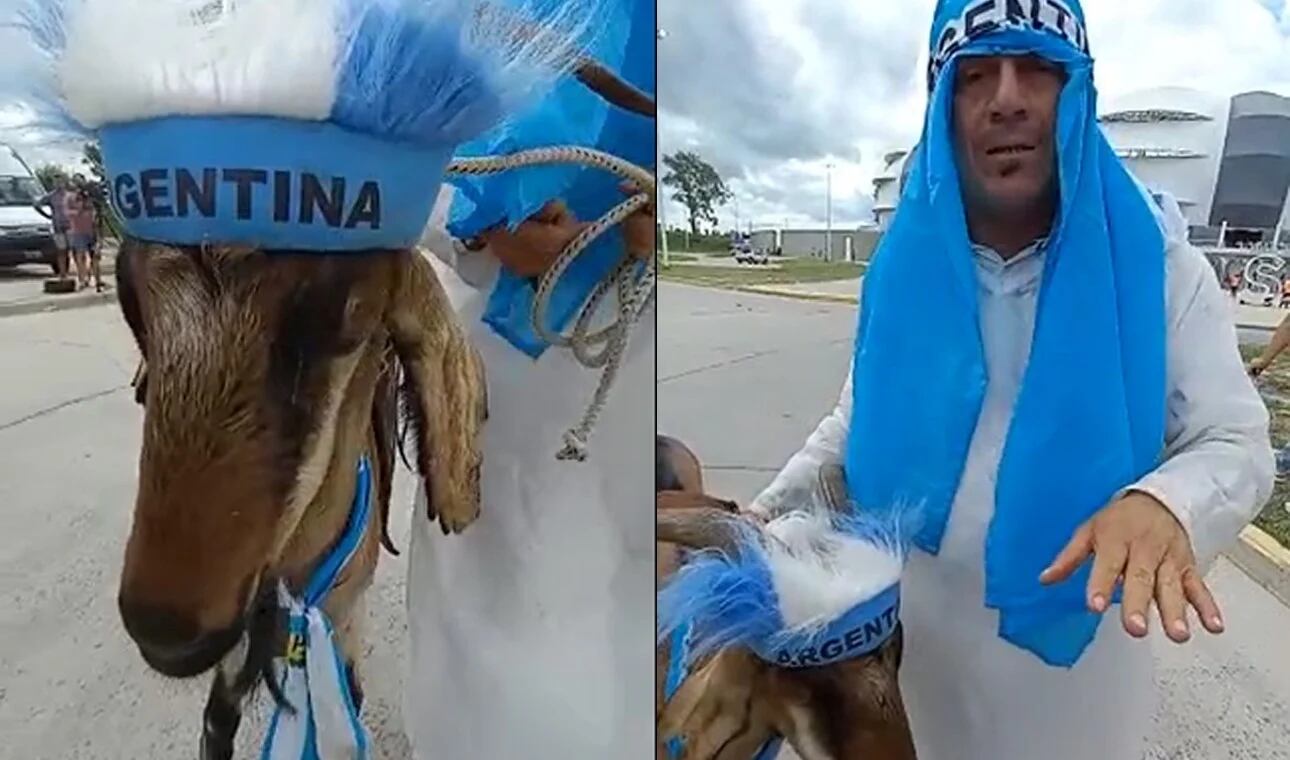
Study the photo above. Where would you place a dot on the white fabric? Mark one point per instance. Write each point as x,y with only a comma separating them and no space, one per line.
532,633
268,57
316,690
972,696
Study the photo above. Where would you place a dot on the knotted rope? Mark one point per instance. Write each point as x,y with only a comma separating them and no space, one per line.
634,291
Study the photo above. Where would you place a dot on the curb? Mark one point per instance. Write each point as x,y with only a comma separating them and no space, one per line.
1265,561
44,305
809,296
799,295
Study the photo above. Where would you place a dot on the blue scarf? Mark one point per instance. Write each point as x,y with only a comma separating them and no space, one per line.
1090,415
570,115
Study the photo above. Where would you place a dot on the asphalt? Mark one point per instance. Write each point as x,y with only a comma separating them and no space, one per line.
72,686
744,378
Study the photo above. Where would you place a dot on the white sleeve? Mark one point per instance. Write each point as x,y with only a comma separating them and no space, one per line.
1218,467
825,445
476,268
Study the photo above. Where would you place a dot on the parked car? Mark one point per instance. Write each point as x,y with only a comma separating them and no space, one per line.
747,255
26,237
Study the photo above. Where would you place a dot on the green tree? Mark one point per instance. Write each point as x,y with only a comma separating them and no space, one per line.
698,187
109,224
49,174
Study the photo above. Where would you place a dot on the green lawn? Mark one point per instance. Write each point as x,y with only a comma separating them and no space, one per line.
791,271
1275,386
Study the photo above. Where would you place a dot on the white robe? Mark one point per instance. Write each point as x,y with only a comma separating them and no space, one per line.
532,632
969,694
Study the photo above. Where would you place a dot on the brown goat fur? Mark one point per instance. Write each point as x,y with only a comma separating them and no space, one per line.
266,376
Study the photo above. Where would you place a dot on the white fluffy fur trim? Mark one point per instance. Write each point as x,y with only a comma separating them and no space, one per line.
819,573
135,59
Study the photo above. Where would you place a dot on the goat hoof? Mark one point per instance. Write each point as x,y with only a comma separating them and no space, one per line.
215,749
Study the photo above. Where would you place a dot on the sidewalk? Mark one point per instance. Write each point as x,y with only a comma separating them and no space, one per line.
22,289
847,291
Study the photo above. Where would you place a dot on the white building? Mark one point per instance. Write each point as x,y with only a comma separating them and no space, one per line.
886,187
1171,138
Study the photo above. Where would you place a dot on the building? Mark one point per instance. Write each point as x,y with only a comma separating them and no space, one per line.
886,187
1226,160
848,245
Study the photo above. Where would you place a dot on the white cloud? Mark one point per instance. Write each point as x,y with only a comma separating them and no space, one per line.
769,91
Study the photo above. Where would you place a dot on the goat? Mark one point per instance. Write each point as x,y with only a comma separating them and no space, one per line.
734,703
266,377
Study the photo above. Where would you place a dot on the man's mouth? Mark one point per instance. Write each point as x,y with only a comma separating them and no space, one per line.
1011,149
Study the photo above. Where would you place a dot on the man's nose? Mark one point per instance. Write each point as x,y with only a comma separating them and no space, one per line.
1009,101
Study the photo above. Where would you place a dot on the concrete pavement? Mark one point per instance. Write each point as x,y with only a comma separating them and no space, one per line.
22,289
744,378
72,686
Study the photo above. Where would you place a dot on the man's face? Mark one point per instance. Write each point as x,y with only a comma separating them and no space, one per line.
1005,108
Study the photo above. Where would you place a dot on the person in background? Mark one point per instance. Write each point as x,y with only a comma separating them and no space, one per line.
53,206
82,235
1276,344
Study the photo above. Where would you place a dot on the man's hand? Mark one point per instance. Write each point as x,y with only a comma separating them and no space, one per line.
638,229
537,242
1136,538
1256,366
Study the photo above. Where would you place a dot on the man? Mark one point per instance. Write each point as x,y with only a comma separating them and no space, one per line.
531,633
56,201
1066,406
1276,344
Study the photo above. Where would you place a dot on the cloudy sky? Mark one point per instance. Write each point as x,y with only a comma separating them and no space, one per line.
772,91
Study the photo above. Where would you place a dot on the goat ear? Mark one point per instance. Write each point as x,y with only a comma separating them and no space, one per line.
444,391
127,296
127,290
833,487
718,708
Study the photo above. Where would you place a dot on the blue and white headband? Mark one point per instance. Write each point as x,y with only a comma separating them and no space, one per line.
292,124
809,588
990,16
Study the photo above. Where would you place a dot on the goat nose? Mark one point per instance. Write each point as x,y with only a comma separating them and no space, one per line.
157,627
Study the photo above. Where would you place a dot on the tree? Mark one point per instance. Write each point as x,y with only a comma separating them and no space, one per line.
49,174
698,187
109,224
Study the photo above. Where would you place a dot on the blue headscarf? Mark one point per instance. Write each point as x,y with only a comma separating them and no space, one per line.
1089,418
570,115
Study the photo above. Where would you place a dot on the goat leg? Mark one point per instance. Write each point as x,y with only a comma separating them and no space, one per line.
220,720
355,688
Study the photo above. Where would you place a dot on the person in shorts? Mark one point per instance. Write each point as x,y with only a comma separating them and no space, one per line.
52,206
81,235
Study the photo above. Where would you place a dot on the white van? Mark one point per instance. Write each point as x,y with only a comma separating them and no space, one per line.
25,235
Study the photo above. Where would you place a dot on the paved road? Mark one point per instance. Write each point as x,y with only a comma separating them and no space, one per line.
71,684
744,378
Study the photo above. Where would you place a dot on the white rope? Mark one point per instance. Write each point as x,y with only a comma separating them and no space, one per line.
634,291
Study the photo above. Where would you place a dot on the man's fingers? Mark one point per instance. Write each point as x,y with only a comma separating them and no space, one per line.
1202,600
1139,586
1071,557
1171,601
551,212
1108,564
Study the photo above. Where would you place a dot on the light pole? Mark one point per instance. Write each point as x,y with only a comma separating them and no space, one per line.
661,199
828,213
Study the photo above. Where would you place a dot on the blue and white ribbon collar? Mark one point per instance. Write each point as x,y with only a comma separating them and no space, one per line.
324,723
